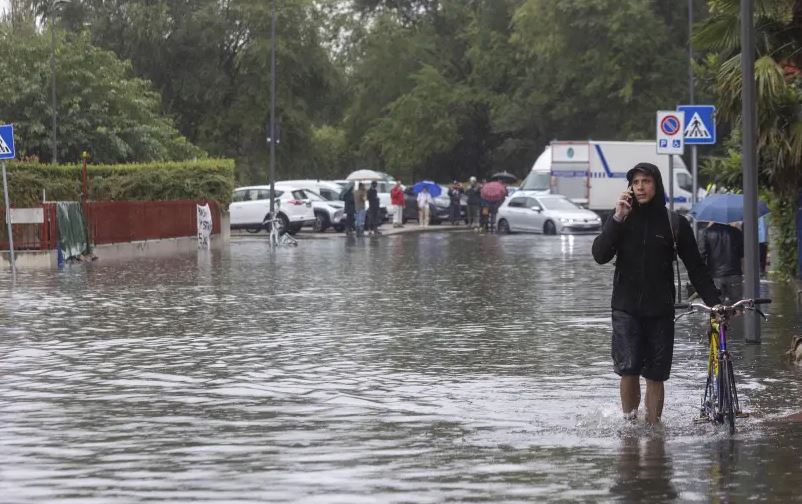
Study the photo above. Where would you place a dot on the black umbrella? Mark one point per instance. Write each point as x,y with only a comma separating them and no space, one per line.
504,176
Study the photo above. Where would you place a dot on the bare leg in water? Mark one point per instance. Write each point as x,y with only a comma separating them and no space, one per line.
629,388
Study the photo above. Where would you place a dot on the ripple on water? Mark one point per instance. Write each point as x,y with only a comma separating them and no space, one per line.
413,368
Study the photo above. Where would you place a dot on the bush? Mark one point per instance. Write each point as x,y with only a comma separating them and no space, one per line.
204,178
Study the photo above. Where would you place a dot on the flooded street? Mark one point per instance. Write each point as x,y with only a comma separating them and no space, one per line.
440,367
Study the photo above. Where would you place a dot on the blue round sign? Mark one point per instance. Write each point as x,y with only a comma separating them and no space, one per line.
670,125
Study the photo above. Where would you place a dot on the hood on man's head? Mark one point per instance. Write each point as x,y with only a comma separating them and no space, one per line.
654,172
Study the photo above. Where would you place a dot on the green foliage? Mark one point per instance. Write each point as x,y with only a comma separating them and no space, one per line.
200,179
783,217
210,61
779,106
101,108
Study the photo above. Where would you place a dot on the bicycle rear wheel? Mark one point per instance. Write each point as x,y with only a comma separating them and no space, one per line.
727,393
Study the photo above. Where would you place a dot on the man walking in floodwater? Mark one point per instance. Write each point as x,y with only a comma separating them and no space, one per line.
643,236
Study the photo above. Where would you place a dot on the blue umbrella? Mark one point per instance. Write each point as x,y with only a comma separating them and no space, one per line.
434,189
724,208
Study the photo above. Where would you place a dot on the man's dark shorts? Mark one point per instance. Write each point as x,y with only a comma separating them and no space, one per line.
642,345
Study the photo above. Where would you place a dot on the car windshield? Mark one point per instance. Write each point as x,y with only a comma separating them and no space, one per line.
558,204
537,181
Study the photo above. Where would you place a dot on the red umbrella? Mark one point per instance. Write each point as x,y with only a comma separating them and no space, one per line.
494,191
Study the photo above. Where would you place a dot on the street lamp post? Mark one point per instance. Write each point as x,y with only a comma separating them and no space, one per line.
51,14
53,112
749,169
272,109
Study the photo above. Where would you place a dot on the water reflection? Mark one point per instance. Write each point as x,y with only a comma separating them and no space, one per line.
644,471
423,368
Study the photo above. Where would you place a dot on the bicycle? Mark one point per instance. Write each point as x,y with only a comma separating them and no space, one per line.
276,238
720,401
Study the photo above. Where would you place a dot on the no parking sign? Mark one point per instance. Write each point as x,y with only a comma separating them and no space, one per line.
670,132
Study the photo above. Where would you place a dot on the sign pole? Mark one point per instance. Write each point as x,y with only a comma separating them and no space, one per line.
671,182
694,175
8,223
749,168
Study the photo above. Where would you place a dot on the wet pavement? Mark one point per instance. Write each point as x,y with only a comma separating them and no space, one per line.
436,367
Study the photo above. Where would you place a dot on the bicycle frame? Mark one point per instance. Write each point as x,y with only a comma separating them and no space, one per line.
720,401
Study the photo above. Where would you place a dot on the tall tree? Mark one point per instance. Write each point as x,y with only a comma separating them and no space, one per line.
102,107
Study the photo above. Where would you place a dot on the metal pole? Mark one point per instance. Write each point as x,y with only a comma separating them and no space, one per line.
695,174
671,182
8,223
694,158
749,167
690,52
54,160
272,108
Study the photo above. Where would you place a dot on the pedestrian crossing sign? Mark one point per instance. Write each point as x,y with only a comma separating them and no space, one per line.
7,142
700,124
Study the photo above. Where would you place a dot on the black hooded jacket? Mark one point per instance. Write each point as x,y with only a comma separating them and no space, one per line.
643,246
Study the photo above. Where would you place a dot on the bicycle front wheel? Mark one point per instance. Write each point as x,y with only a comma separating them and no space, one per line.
727,393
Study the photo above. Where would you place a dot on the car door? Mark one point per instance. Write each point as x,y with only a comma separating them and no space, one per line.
261,206
304,211
252,208
238,209
515,214
536,218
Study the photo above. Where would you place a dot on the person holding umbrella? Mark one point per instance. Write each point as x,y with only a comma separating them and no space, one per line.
493,193
360,198
722,245
722,249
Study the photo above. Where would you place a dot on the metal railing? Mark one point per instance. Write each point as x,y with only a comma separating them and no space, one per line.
43,236
127,221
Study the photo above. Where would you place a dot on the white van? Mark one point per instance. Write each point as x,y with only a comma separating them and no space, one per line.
593,173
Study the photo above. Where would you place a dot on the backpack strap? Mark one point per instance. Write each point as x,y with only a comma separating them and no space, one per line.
673,223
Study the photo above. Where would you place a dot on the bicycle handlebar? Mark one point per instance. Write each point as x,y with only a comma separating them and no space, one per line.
722,309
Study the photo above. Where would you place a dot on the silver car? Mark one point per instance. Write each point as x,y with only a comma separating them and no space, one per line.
529,212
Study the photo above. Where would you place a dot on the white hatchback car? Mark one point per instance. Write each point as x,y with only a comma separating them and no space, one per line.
526,211
250,208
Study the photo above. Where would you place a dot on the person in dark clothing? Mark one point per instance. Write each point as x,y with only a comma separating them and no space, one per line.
455,193
639,236
373,210
722,249
350,209
474,202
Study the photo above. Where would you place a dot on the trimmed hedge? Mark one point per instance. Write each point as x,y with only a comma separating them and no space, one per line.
160,180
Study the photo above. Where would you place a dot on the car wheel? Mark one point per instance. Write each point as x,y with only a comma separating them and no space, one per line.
549,228
283,226
504,226
339,228
321,222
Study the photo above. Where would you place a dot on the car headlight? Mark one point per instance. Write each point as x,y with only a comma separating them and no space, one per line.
338,214
565,220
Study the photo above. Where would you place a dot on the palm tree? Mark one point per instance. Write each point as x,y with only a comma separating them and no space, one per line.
778,60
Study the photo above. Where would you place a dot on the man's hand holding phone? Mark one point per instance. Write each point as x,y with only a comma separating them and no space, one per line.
624,205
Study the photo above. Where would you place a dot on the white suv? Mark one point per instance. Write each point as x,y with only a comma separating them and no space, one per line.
329,211
250,208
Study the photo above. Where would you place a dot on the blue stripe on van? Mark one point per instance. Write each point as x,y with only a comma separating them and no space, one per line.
606,166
